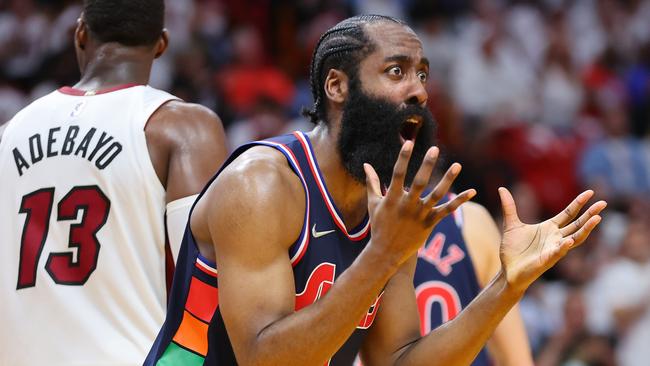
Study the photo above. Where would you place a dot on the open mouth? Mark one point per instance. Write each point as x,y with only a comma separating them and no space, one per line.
409,129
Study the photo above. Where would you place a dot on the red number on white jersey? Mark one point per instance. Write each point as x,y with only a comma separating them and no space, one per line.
62,267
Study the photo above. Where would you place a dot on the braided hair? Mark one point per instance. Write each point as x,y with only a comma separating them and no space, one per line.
342,47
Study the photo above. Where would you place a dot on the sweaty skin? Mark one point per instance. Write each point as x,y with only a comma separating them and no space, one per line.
253,212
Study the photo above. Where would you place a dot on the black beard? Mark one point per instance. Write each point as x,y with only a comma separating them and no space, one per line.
370,133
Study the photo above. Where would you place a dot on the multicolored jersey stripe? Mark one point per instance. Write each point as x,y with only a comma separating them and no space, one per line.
190,343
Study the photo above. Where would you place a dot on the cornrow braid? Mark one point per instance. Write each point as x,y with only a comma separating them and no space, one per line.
342,47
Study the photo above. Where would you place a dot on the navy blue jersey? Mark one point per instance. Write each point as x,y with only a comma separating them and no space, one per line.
445,281
194,331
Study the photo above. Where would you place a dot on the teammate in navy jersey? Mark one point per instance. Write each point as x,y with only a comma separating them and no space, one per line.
278,265
458,259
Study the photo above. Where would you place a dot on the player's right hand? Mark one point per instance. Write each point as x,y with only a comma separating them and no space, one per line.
401,220
528,250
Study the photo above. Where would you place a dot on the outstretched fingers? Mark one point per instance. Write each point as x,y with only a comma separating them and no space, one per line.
510,217
444,185
450,206
396,187
423,175
592,211
579,236
572,210
573,240
373,184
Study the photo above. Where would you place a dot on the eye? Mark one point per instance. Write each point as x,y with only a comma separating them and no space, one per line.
395,71
423,76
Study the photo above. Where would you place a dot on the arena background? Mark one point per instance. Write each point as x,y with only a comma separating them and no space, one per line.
546,97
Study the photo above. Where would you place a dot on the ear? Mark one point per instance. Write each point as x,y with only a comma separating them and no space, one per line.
336,86
81,33
163,42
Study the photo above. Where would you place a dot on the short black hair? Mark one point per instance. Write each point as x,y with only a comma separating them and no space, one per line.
342,47
128,22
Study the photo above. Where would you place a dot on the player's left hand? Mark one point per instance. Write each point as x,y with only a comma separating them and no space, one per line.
527,251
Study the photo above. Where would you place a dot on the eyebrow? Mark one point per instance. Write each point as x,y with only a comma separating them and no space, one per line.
404,58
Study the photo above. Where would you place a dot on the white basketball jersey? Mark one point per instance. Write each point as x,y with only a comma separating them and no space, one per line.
82,236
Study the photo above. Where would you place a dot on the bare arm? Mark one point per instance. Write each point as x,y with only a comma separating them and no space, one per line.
627,316
257,295
526,252
256,285
395,338
509,343
187,145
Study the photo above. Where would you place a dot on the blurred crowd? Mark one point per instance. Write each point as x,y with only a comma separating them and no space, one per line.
546,97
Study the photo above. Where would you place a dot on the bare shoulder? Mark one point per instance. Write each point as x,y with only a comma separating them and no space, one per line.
182,119
260,178
475,214
483,238
479,228
187,145
179,110
256,196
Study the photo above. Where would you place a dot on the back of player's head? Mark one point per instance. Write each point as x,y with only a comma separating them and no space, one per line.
342,47
128,22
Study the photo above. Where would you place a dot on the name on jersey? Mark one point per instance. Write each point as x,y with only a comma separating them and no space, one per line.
432,253
98,147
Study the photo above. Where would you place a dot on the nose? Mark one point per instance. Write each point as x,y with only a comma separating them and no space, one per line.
417,92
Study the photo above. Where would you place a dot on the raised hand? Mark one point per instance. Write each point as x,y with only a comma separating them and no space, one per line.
527,251
401,220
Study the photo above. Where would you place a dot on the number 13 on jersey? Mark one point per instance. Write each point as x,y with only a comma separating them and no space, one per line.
62,266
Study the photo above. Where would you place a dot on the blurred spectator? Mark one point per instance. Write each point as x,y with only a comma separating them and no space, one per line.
267,118
249,77
491,74
588,38
619,297
525,22
11,101
618,166
571,344
440,47
638,87
386,7
192,78
560,88
22,44
542,159
547,97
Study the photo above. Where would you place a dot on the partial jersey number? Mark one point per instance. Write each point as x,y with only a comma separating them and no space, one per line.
61,266
431,292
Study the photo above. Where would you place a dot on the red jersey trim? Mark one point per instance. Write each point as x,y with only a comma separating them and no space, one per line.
361,234
205,267
78,92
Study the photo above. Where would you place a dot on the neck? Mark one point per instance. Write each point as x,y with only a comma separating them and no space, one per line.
112,65
349,195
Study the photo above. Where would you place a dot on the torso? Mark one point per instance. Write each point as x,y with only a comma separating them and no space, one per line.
323,250
84,228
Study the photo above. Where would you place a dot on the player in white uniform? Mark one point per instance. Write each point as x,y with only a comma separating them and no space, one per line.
88,174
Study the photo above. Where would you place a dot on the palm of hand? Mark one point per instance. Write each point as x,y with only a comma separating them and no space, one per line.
527,251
